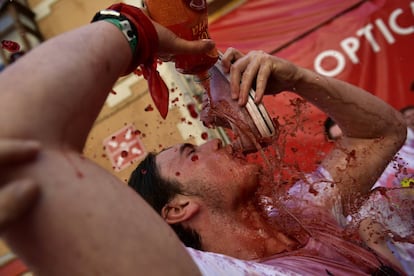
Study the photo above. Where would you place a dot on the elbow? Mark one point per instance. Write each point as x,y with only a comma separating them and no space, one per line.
399,131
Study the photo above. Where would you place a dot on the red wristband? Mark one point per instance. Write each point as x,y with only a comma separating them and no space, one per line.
145,52
145,55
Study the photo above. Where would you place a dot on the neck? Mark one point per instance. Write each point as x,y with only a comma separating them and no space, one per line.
242,233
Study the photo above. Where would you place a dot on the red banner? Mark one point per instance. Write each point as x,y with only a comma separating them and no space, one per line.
269,24
371,47
367,43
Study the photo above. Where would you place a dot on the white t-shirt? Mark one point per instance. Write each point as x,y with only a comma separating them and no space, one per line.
328,260
400,170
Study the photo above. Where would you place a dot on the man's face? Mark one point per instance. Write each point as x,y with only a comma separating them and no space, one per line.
409,118
209,171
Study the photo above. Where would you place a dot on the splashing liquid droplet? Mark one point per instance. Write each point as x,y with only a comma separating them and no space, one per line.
10,46
149,108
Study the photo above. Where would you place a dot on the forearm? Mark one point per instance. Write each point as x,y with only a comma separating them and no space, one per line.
40,92
358,113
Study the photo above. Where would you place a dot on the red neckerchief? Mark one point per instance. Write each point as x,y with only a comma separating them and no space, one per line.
145,55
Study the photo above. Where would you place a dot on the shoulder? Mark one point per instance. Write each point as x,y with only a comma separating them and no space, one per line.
317,193
316,187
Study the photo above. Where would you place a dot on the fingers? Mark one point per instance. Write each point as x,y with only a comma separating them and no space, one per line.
261,82
265,73
229,57
15,199
17,196
247,69
250,71
16,151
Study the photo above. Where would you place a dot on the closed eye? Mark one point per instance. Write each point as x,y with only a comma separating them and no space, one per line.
187,149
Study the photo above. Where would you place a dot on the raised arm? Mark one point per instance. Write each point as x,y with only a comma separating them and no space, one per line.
373,130
86,221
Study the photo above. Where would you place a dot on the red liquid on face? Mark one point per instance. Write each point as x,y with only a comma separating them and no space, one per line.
222,110
187,23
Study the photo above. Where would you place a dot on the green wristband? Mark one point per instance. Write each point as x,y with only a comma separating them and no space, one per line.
122,23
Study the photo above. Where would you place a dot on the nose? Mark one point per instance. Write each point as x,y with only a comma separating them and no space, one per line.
212,145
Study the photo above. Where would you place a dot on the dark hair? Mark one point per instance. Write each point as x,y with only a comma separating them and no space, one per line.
157,192
327,126
405,109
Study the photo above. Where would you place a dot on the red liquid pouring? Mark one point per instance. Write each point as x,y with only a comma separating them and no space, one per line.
221,110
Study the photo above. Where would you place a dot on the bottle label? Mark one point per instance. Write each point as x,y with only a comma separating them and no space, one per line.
199,31
196,5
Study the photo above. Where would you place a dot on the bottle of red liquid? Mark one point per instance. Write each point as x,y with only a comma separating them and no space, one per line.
188,19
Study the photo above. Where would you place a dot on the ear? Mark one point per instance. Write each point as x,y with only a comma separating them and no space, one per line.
180,209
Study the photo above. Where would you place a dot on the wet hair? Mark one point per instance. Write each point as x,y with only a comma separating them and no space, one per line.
405,109
157,192
327,126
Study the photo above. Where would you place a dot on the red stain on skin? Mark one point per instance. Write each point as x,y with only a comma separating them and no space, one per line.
10,46
204,135
194,158
351,155
177,173
124,154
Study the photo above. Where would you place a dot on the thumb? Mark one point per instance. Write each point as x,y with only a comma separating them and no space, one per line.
170,43
193,47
